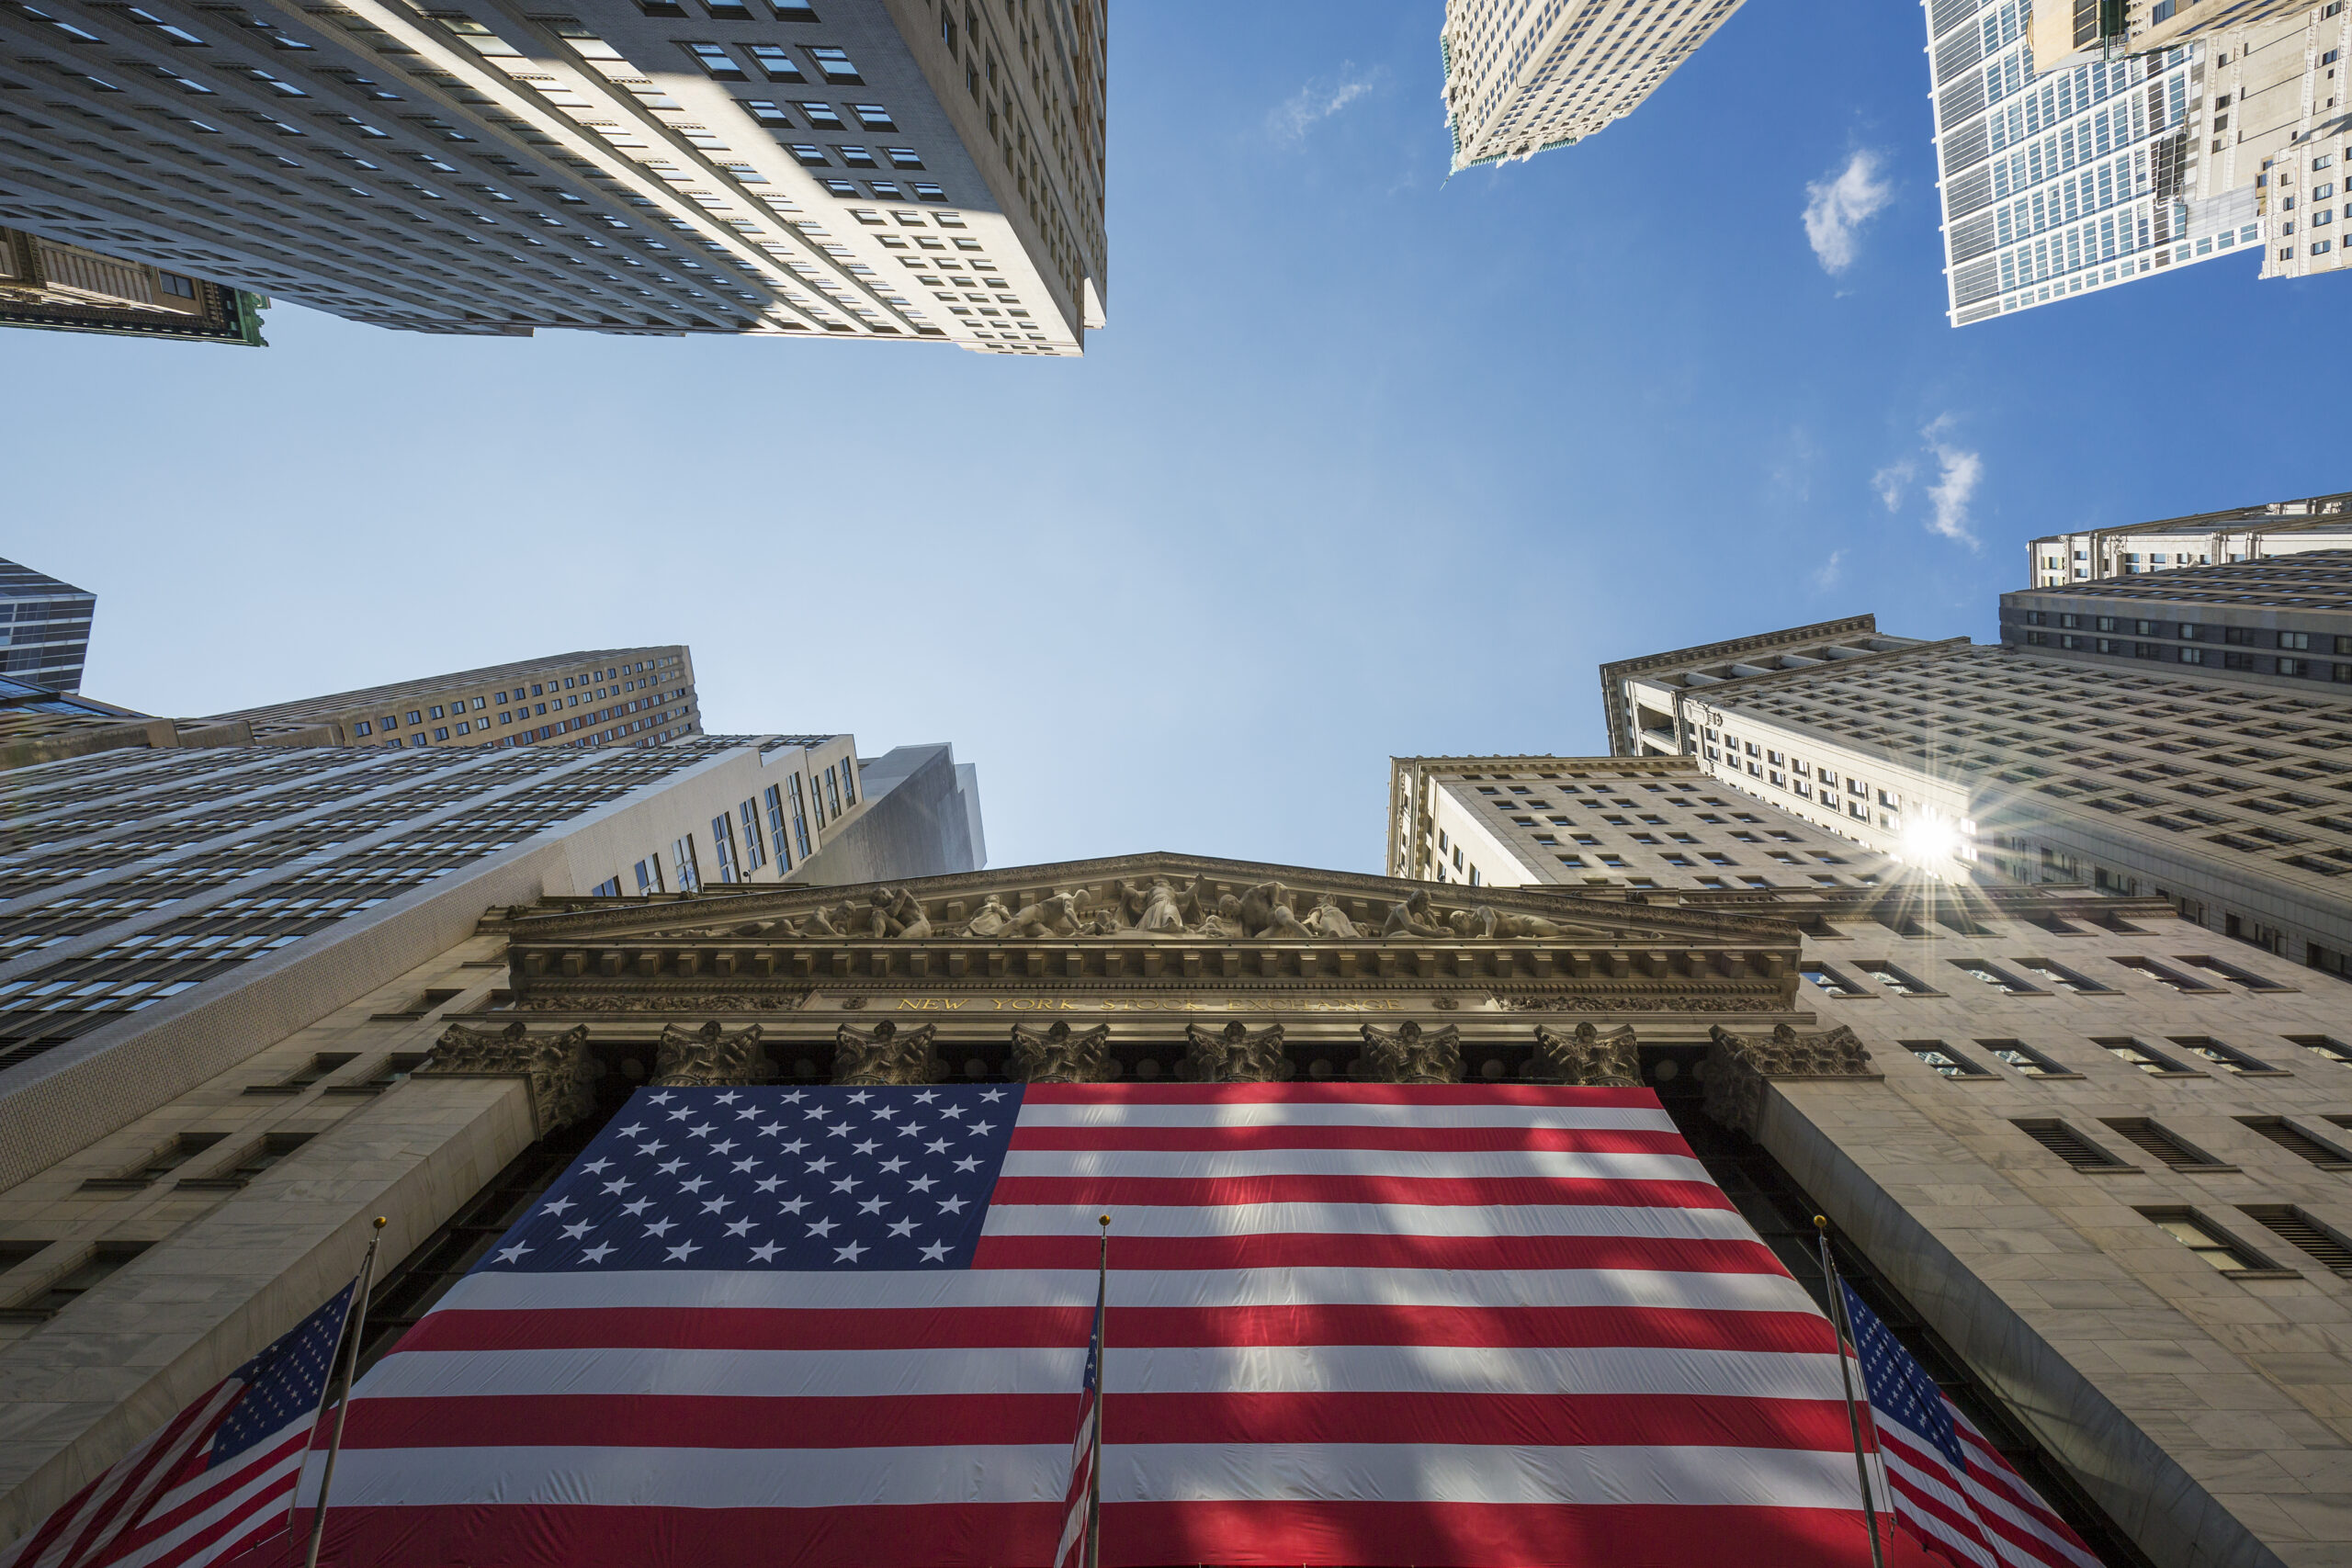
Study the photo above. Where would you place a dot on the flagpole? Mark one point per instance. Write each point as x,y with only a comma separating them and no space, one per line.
1101,1389
1842,1327
347,1352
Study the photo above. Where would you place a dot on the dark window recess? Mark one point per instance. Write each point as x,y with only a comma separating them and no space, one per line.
320,1066
2148,1138
162,1163
2307,1233
15,1252
395,1068
273,1148
68,1287
2295,1141
437,996
2069,1146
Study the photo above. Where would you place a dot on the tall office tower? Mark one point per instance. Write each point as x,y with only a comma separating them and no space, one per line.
2073,33
2283,623
2001,763
2207,538
46,283
1520,80
189,881
2077,1129
2066,180
611,697
903,169
1603,822
44,626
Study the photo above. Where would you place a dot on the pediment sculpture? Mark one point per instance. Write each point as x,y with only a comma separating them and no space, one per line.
1740,1065
1411,1054
557,1067
692,1058
887,1055
1059,1054
1235,1053
1586,1057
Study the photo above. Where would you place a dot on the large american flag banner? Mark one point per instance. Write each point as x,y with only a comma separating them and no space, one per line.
217,1479
1347,1325
1951,1489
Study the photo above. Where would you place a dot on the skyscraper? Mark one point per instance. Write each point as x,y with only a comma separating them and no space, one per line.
2137,777
889,169
44,626
46,283
2055,182
2207,538
1522,79
625,696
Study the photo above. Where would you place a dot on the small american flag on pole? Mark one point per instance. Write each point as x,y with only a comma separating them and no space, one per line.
1086,1448
219,1477
1951,1489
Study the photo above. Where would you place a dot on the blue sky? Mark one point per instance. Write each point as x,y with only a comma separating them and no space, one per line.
1367,462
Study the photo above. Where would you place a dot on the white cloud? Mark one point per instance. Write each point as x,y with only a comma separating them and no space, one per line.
1831,571
1318,101
1959,474
1890,481
1837,207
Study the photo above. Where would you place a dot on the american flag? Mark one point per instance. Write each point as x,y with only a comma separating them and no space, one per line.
218,1478
1083,1449
1355,1324
1962,1499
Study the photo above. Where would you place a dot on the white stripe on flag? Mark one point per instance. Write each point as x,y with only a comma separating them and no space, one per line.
1397,1165
1259,1368
279,1476
752,1478
956,1287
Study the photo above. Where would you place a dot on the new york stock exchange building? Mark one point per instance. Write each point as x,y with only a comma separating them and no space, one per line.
1438,1225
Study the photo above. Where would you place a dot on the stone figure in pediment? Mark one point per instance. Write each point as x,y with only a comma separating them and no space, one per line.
1059,1054
1223,921
1327,919
1411,916
887,1055
1235,1054
1156,906
991,919
1411,1054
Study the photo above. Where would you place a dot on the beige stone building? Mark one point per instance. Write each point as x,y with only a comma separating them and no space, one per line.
902,170
623,696
1520,80
63,287
2207,538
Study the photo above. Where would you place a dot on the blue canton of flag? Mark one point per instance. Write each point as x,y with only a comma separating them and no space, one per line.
1899,1385
286,1379
767,1177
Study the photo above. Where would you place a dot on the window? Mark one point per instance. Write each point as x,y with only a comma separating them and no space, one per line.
1997,978
2163,976
2323,1045
68,1287
2231,972
767,114
2126,1049
649,875
2149,1138
1830,981
2059,978
1944,1060
812,156
788,11
754,842
903,158
260,1157
2025,1060
799,817
2297,1142
176,286
165,1160
717,63
2216,1247
874,117
2308,1235
2229,1056
681,857
820,117
836,66
320,1066
2070,1145
833,793
1898,980
776,62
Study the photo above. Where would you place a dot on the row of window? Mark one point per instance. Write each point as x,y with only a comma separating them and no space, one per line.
2193,631
776,821
2156,1060
530,711
2230,659
456,705
2048,977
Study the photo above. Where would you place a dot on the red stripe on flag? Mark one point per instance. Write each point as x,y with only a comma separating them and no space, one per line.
1131,1328
631,1421
1311,1251
1328,1093
1192,1191
1135,1535
1321,1135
